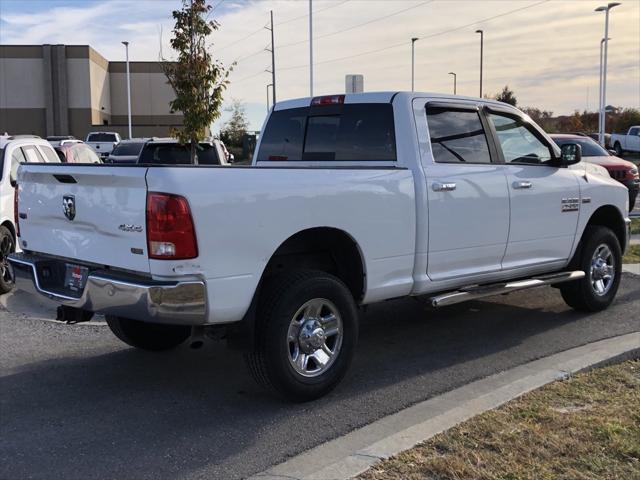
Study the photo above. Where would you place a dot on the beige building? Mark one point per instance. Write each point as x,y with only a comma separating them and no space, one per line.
73,90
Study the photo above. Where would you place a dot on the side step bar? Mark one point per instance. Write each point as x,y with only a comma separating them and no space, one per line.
480,291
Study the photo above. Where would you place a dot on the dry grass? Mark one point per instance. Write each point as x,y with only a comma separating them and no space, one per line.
635,226
632,255
587,427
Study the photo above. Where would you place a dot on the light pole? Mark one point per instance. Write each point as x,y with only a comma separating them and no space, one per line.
481,32
126,48
270,85
311,48
603,99
413,63
455,81
600,129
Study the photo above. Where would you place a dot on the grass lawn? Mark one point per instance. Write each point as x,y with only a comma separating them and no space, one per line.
632,254
635,226
587,427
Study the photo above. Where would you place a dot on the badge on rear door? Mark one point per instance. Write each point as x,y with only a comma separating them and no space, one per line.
69,206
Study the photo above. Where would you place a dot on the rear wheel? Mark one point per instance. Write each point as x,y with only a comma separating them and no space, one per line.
600,258
305,336
7,246
148,336
618,148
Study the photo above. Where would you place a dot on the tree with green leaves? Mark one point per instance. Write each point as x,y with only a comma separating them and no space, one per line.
507,96
197,80
234,129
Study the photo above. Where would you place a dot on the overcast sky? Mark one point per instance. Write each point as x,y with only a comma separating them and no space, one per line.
547,52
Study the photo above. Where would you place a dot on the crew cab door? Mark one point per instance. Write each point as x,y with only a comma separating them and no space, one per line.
545,199
467,195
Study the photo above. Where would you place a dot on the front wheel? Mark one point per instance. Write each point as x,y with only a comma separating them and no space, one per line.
601,259
148,336
306,333
7,246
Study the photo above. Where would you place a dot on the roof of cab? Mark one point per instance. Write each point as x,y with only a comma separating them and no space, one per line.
382,97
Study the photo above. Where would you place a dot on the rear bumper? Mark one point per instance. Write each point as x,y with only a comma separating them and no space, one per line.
176,303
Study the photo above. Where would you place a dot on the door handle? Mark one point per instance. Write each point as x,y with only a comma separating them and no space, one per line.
520,184
443,187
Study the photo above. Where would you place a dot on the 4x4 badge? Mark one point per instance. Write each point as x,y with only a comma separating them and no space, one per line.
69,206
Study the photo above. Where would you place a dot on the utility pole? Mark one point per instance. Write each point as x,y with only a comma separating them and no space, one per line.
311,48
126,47
413,63
273,62
481,32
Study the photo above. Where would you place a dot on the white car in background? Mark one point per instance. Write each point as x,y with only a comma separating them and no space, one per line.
103,142
15,150
629,142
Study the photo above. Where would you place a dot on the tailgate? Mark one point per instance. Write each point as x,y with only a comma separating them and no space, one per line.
93,214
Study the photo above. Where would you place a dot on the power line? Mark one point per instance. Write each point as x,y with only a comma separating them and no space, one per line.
404,43
316,12
377,19
249,76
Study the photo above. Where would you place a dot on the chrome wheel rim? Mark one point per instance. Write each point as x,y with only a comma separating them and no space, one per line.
6,247
314,337
602,271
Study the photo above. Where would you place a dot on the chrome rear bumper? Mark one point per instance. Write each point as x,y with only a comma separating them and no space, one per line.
176,303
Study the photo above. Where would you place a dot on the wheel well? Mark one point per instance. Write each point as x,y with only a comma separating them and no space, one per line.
610,217
9,225
328,249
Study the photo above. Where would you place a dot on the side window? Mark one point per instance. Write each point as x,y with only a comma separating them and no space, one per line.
283,135
49,153
634,131
17,157
457,136
519,142
32,154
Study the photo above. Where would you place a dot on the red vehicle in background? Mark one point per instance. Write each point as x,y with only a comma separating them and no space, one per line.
76,151
622,170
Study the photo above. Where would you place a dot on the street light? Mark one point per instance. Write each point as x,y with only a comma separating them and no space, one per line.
455,81
603,95
413,62
126,48
481,32
600,129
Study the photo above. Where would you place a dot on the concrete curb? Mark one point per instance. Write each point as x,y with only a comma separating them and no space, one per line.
352,454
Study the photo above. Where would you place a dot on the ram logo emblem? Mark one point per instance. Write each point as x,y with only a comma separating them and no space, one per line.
69,206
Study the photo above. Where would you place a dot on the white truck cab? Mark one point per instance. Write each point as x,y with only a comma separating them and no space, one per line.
350,200
103,142
14,151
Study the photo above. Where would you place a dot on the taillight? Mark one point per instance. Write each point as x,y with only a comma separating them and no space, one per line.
328,100
170,232
16,215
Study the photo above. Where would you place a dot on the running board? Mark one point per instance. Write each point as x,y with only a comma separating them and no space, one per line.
480,291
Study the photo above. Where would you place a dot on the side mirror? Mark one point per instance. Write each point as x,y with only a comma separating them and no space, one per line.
571,153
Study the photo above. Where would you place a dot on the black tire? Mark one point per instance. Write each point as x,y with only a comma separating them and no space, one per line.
618,148
271,362
7,246
148,336
581,294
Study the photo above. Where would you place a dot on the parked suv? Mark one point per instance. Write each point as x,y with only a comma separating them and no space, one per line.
127,151
15,150
622,170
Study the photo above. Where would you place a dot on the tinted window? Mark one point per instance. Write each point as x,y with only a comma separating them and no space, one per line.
457,136
177,154
17,157
102,137
129,148
589,147
519,142
352,132
634,131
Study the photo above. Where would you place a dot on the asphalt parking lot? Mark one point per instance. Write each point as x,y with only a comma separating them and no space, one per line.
76,403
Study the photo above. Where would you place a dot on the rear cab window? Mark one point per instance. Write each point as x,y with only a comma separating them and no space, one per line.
357,132
102,137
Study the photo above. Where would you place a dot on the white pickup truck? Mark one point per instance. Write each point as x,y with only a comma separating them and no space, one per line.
103,142
626,143
350,200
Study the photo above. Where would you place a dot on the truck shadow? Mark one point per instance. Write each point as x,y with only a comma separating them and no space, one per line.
122,413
